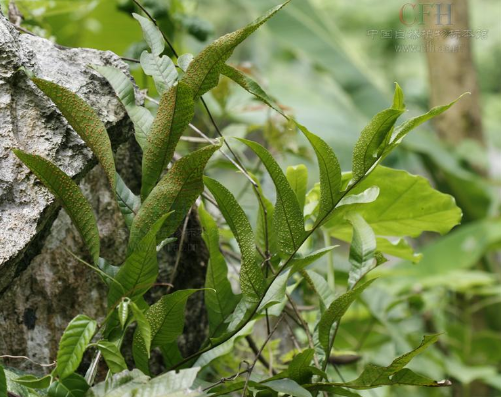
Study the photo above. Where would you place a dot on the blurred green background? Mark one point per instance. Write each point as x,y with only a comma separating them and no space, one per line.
318,60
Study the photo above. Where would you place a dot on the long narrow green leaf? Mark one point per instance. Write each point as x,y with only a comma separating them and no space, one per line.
219,298
174,114
300,262
252,280
162,69
33,382
123,87
70,196
151,34
74,341
85,122
288,217
72,386
297,175
330,173
3,383
128,202
143,328
112,356
250,86
177,191
362,249
166,318
203,73
336,310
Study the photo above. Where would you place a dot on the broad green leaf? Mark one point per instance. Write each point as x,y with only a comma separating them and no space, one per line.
169,384
112,356
330,173
250,86
299,368
122,384
299,262
171,354
3,383
162,69
297,175
166,318
336,310
369,195
85,122
177,191
320,286
151,34
288,387
395,212
219,298
276,292
72,386
70,196
288,218
362,249
74,341
203,73
33,382
184,61
399,248
252,280
175,111
140,269
143,328
123,87
334,390
369,146
128,202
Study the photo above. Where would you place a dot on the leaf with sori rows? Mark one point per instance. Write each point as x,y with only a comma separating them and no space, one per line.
219,298
203,73
161,68
330,174
362,249
177,191
123,87
85,122
374,137
112,356
174,114
70,196
252,280
333,314
166,319
140,269
250,86
74,341
72,386
288,220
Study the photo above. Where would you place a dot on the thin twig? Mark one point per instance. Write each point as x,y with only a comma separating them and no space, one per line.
293,337
29,359
255,350
229,378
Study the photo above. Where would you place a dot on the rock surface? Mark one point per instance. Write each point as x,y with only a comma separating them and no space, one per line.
31,122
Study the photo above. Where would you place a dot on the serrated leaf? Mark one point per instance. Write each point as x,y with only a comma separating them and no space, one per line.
162,69
33,382
250,86
166,319
123,87
128,202
333,314
74,342
143,329
219,298
330,173
174,114
288,218
72,386
395,212
85,122
177,191
70,196
252,280
151,34
362,249
112,356
3,383
297,175
140,269
203,73
184,61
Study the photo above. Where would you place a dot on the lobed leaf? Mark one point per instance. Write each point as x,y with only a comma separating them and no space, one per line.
177,191
203,72
252,280
70,196
85,122
288,218
162,69
175,111
74,342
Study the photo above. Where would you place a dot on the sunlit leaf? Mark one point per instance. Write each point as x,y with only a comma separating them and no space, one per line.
297,176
